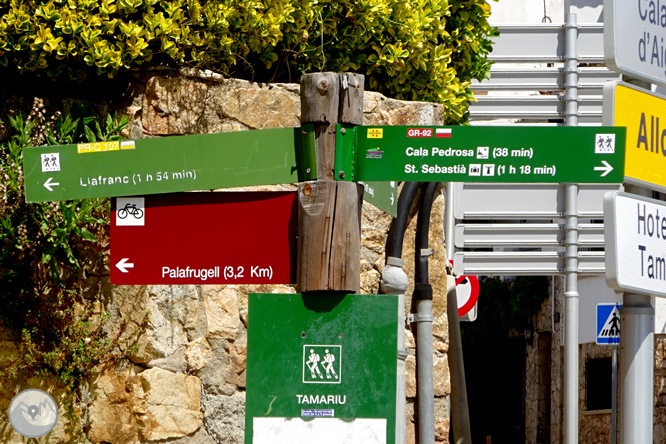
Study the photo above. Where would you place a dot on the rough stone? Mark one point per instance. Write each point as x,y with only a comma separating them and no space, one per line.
224,417
441,376
261,106
410,376
159,318
214,374
111,415
171,404
175,362
222,311
172,105
197,353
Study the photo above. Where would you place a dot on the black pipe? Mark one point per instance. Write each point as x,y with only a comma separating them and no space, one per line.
422,229
399,224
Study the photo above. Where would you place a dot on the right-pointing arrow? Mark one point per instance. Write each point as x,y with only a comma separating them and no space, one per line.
123,265
606,168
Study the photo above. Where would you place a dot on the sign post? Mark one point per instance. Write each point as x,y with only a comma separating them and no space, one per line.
643,113
321,368
169,164
608,332
482,154
204,238
635,232
634,39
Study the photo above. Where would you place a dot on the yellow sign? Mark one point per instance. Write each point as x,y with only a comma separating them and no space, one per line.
375,133
644,115
100,147
97,147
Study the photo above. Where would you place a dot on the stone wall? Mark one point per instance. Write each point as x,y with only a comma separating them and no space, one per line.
182,377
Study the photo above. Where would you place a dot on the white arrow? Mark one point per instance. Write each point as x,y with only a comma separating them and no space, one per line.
48,184
123,265
606,168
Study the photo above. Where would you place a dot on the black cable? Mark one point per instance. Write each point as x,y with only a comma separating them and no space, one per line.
422,289
399,224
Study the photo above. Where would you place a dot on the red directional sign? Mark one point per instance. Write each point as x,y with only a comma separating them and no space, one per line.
204,238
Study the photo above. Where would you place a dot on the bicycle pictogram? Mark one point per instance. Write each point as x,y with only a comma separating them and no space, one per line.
130,208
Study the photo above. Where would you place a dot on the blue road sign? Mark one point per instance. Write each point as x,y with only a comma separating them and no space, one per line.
608,324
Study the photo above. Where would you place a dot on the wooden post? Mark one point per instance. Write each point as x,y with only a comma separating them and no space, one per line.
329,211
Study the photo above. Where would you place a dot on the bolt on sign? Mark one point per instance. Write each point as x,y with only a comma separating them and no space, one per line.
482,154
204,238
644,115
321,369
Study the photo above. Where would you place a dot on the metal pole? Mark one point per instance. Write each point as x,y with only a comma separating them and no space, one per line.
571,243
462,433
636,362
636,369
614,398
395,281
424,319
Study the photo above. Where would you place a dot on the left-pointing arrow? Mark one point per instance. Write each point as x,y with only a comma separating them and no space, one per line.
123,265
48,184
607,168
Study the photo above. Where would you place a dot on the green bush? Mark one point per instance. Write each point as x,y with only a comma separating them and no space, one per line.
47,251
421,50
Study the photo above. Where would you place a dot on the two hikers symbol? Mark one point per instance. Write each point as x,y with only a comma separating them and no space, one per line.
313,362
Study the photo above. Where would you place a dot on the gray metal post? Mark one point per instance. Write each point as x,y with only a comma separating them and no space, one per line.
425,385
614,398
571,244
395,281
636,362
636,369
462,433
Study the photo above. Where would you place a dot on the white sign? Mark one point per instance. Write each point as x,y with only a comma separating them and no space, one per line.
635,232
499,201
635,39
130,211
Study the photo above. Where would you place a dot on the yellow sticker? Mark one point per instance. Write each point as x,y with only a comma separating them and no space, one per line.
375,133
97,147
644,115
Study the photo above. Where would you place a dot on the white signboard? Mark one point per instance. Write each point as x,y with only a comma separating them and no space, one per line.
498,201
635,39
635,232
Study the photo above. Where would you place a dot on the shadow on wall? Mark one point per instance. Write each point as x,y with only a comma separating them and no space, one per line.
588,11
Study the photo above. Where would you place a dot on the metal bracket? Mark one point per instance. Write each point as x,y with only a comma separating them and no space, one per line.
395,261
306,153
345,152
427,251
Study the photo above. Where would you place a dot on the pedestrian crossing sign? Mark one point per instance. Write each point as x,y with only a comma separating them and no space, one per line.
608,324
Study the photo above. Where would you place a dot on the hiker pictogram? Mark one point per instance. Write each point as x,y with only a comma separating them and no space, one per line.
322,364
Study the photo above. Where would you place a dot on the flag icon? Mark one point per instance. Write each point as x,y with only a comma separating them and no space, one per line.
443,132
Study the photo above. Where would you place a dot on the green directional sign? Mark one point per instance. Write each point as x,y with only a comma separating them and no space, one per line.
482,154
321,365
383,195
169,164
